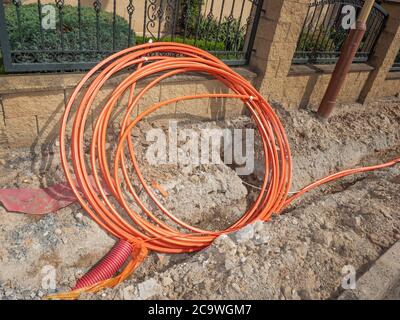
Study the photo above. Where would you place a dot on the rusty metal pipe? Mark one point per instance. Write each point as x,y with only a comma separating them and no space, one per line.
342,67
347,55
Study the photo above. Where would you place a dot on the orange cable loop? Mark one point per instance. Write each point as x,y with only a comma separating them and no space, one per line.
153,61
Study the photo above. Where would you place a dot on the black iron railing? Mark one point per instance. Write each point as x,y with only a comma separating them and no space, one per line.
74,35
396,64
325,30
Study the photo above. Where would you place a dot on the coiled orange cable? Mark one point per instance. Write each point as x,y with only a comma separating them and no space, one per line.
159,61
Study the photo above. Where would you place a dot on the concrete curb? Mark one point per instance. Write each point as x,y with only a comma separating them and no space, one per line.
377,282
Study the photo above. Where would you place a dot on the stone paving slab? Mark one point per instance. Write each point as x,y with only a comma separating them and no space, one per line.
381,281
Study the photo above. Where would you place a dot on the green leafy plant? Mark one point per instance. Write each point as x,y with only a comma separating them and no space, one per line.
208,28
317,41
85,35
200,43
27,35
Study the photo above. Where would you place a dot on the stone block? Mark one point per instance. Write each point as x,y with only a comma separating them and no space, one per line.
21,131
33,103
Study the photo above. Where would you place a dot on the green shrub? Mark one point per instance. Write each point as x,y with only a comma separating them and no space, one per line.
321,40
218,36
189,11
338,37
322,44
228,36
312,41
229,32
31,37
200,43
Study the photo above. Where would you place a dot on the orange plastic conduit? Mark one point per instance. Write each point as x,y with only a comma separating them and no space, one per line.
156,62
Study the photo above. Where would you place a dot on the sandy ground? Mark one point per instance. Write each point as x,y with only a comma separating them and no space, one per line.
297,255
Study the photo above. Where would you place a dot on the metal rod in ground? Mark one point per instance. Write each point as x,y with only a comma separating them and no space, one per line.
342,67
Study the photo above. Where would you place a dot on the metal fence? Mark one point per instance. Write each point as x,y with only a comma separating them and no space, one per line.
75,34
323,32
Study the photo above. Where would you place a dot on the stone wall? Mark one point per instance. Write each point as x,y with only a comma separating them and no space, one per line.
391,85
304,85
32,105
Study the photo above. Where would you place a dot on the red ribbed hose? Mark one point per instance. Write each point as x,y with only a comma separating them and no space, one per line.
107,266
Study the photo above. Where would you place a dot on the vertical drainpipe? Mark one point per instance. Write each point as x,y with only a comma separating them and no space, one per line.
342,67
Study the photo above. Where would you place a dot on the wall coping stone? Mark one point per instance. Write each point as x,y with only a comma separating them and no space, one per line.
393,75
22,83
303,70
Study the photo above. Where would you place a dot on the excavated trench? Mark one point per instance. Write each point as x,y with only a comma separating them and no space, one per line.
298,255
